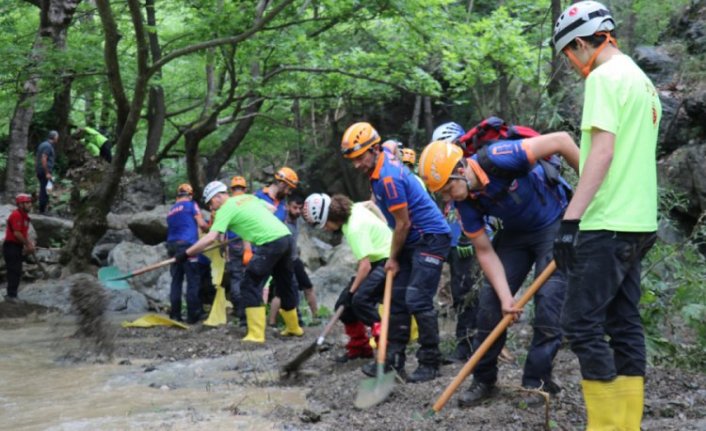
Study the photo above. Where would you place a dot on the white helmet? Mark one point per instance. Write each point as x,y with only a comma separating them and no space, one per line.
212,189
448,132
581,19
315,210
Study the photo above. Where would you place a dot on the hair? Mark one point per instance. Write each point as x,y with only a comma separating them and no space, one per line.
340,210
594,40
52,134
295,198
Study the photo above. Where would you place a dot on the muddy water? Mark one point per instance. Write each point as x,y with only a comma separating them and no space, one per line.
41,391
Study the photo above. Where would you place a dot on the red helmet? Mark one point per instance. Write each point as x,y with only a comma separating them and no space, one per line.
22,198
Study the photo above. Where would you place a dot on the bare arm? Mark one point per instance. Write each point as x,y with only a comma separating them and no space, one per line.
201,222
45,165
495,272
399,236
553,143
26,243
363,271
202,243
594,171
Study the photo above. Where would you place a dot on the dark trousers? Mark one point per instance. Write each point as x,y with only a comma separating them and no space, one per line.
300,275
12,252
178,272
363,304
518,251
465,299
43,195
236,270
602,299
273,258
413,294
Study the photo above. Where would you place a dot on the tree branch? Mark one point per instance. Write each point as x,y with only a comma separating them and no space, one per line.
283,69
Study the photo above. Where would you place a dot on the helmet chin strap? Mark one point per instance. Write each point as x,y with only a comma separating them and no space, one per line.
585,69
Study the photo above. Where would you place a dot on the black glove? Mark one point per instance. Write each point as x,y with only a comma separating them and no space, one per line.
345,298
564,243
181,257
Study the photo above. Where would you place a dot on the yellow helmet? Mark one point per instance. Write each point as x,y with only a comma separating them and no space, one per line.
437,163
409,156
358,139
238,181
185,190
288,176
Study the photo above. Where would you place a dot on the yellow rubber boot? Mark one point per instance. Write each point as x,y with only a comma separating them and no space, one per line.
413,330
256,324
291,322
632,392
605,411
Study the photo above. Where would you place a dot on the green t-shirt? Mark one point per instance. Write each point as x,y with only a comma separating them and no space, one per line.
93,139
621,99
248,217
367,235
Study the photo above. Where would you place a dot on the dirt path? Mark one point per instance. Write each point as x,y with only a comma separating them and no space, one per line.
675,399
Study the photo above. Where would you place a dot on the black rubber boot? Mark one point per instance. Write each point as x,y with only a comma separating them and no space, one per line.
463,351
428,355
476,394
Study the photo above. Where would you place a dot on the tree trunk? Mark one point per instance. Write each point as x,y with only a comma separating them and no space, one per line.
555,78
156,110
416,113
428,119
55,16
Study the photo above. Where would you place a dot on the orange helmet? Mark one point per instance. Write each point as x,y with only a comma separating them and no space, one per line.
185,190
409,156
238,181
437,163
358,139
288,176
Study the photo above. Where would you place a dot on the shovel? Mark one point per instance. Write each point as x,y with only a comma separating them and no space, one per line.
375,390
157,265
294,365
488,342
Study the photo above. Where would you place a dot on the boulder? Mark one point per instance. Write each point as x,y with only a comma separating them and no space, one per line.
139,193
130,256
682,171
51,230
150,226
674,128
308,252
656,63
329,280
127,301
695,107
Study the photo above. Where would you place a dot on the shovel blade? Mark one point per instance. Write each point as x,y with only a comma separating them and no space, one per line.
294,365
113,278
375,390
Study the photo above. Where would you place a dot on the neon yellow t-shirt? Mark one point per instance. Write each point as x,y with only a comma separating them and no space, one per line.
248,217
367,235
622,100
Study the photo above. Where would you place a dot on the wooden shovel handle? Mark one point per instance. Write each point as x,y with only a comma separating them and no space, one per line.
385,323
329,325
491,338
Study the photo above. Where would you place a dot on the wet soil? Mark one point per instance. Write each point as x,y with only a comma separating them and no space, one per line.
674,399
10,310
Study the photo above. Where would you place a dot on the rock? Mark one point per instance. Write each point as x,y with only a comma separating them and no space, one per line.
139,193
130,256
117,221
150,226
695,107
51,230
656,63
675,125
682,171
669,232
308,252
127,301
329,280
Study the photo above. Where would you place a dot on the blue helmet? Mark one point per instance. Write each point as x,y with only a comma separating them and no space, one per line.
448,132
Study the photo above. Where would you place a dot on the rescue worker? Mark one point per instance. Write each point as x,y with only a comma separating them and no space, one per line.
251,219
370,240
530,209
17,243
285,181
611,222
183,223
420,243
44,167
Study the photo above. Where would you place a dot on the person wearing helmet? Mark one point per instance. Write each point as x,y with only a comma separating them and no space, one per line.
611,222
285,181
17,243
420,242
239,254
369,238
183,223
250,218
450,132
393,147
530,210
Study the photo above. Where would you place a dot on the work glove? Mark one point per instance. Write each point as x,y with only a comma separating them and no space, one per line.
565,243
344,299
181,257
464,251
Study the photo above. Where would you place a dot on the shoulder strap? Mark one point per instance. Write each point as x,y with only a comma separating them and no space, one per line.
492,169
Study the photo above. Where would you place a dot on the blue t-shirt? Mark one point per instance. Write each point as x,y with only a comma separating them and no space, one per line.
181,222
394,187
44,148
281,207
524,204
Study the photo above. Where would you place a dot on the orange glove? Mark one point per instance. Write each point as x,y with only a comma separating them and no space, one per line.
247,254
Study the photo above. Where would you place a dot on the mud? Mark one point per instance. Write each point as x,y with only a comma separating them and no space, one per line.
90,301
675,399
10,310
